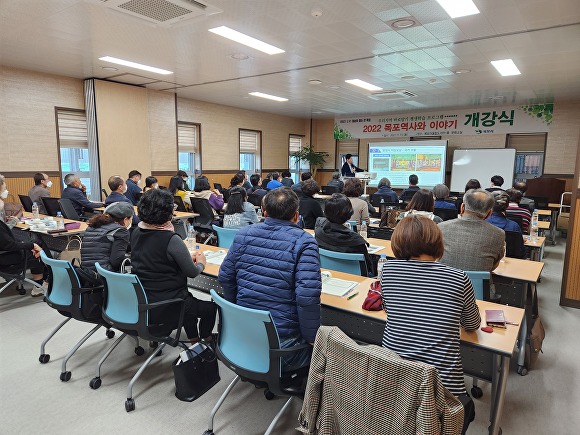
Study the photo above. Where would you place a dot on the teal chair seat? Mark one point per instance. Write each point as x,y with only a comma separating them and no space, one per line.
341,261
225,236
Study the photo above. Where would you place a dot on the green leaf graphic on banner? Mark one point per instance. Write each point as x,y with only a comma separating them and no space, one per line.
341,133
544,112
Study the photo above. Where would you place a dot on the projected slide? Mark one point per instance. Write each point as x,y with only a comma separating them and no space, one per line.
398,160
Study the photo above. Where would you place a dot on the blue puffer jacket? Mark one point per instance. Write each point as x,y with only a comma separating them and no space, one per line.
274,266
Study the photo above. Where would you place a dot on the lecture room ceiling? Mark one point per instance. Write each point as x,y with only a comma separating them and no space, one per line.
325,42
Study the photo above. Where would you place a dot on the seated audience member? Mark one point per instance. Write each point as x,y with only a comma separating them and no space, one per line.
183,175
496,183
297,187
287,180
384,190
441,192
266,180
177,187
106,239
408,193
353,189
118,188
239,212
162,262
522,186
13,252
236,181
332,234
40,190
75,191
274,266
335,181
242,173
150,183
415,324
472,184
421,204
348,168
133,191
471,243
257,188
310,208
203,190
275,183
498,216
515,210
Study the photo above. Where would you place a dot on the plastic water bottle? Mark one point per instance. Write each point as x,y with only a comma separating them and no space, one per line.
259,213
191,237
363,230
534,229
59,221
380,265
35,211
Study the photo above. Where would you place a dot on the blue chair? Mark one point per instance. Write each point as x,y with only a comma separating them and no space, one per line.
65,295
352,225
225,236
127,309
348,263
248,344
480,282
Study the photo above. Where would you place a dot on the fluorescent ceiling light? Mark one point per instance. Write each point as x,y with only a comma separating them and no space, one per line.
364,85
458,8
268,96
234,35
135,65
506,67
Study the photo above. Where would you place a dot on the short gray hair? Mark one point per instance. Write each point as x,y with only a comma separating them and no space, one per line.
441,191
478,201
69,178
384,182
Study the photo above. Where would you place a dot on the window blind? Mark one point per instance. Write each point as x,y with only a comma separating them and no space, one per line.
295,144
187,137
249,141
72,129
348,147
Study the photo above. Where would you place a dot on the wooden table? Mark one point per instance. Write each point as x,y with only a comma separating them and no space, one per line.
26,227
536,248
176,214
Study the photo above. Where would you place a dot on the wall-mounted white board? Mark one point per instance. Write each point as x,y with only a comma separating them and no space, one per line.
482,164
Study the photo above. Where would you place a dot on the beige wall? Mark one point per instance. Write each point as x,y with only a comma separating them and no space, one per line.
162,131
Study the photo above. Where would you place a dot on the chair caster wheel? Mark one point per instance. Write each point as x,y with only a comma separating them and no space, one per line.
139,351
65,376
522,371
129,405
476,392
208,432
153,344
44,358
21,291
95,383
269,395
110,333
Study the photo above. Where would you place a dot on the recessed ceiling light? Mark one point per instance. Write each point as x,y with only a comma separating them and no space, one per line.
407,77
463,71
236,36
432,81
268,96
403,24
110,68
458,8
315,82
506,67
239,56
364,85
135,65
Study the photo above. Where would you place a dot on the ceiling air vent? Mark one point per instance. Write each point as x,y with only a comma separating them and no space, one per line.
393,94
162,12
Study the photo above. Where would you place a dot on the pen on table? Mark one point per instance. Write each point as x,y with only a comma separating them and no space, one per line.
351,296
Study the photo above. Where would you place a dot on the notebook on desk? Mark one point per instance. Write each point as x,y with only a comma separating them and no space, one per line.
215,257
495,318
336,286
373,249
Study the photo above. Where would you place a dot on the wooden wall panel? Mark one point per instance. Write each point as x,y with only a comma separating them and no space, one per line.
21,186
123,129
162,130
572,275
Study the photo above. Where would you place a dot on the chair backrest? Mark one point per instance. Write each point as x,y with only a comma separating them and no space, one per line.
124,294
225,235
480,282
104,194
202,207
329,190
352,225
255,199
26,202
408,195
179,202
446,213
63,279
384,233
514,244
180,228
540,202
376,201
51,205
344,262
68,210
517,219
246,335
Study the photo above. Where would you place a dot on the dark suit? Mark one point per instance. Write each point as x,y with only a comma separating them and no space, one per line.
119,197
79,200
348,171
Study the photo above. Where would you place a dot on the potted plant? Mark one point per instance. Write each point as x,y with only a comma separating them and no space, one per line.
316,159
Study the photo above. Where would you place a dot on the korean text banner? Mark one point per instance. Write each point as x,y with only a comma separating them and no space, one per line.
498,120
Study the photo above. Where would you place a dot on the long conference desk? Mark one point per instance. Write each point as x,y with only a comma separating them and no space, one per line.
484,356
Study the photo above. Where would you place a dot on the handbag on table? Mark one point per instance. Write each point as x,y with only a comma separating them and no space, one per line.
374,300
195,372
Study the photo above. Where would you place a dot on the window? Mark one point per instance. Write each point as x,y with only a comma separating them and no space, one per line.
347,147
188,148
73,145
295,144
250,145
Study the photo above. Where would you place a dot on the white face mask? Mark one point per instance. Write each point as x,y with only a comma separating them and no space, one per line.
128,226
155,186
4,194
49,184
139,181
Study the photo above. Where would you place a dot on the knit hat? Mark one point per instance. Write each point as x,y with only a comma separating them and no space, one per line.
120,210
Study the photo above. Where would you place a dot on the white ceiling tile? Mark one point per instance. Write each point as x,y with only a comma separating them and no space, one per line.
445,31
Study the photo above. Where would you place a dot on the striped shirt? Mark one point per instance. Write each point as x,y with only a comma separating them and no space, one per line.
516,210
426,303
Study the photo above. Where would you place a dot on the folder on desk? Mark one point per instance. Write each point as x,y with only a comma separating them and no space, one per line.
215,257
495,318
336,286
373,249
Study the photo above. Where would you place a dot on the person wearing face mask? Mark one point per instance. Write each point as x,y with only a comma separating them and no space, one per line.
106,239
40,190
74,192
118,194
184,177
133,191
